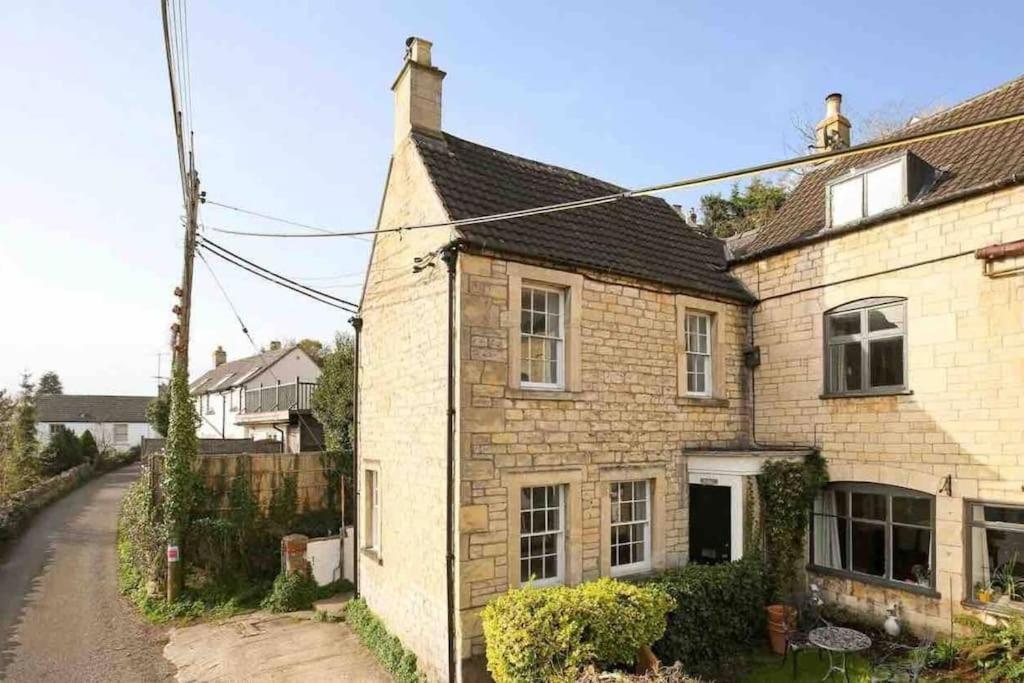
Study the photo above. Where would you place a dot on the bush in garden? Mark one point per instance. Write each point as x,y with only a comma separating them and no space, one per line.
291,592
719,611
544,634
90,451
62,453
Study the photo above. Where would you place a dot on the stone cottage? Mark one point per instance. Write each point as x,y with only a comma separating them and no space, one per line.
558,397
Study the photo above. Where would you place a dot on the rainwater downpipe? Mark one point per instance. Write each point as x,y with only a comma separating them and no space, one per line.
357,325
450,255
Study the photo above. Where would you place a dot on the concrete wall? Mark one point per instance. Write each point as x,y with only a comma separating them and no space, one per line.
965,334
103,432
402,407
623,416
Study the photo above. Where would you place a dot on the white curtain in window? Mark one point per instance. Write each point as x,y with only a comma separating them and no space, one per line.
827,552
980,571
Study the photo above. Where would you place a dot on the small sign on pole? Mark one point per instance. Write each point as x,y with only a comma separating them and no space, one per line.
172,553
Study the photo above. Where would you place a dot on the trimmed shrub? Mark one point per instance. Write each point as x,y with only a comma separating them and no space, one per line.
544,634
90,451
719,611
62,453
388,649
291,592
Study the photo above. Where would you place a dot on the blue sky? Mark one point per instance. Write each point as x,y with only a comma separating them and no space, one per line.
292,112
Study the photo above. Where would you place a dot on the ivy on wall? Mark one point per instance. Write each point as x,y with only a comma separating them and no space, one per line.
787,490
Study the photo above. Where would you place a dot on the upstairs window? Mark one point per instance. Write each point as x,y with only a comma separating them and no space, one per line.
876,189
542,337
698,354
865,347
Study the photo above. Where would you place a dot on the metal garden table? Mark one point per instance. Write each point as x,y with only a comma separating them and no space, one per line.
835,639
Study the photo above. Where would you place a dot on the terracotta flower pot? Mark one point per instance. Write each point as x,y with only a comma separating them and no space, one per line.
781,622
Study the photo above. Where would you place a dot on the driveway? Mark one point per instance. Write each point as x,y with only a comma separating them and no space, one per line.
61,616
268,647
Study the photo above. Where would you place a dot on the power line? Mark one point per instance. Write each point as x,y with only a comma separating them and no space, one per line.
210,244
268,278
783,165
227,298
269,217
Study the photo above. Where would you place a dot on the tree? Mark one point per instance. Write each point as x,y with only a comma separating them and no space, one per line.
49,385
745,209
158,412
333,397
21,463
62,453
90,451
314,348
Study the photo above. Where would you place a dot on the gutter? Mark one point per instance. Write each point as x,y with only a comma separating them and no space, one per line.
357,325
450,254
826,234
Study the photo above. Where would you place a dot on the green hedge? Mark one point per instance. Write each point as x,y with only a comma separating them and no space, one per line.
388,649
552,634
719,611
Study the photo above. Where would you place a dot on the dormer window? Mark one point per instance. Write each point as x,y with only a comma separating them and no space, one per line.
867,192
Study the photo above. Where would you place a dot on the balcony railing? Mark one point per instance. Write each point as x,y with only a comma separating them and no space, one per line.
277,397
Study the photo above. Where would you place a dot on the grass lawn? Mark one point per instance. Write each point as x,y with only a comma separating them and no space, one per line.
763,667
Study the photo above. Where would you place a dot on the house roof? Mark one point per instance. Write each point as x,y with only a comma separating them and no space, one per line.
967,163
642,237
237,372
82,408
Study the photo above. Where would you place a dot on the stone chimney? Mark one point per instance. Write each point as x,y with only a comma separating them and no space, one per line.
833,131
417,92
220,357
275,345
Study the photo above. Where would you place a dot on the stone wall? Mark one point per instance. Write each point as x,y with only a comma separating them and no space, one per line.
402,418
965,335
622,418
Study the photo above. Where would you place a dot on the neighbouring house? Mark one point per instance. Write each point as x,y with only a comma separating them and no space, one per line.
261,397
116,422
587,393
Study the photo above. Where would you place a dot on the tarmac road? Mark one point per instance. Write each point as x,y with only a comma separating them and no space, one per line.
61,615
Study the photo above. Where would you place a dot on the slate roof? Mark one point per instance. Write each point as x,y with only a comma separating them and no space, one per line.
82,408
236,372
641,237
967,162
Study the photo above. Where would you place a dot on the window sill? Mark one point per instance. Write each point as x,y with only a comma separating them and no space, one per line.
926,591
372,555
542,394
702,401
868,394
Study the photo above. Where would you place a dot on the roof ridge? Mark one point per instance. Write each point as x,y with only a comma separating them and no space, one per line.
953,108
543,164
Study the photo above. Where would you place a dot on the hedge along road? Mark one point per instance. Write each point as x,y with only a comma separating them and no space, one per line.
61,616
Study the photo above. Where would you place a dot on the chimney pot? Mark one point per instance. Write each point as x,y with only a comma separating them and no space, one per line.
220,357
418,50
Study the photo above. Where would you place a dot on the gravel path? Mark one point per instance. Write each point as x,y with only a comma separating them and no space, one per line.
61,616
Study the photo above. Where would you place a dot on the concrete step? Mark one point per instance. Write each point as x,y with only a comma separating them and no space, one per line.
332,605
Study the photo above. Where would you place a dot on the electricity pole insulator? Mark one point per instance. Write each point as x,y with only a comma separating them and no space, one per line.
176,310
178,292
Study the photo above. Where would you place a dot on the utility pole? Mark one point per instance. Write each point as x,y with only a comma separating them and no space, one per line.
180,330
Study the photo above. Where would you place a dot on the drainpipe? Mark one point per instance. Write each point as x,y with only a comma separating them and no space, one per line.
450,255
357,324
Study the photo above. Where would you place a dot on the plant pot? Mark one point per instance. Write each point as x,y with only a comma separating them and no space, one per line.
984,596
781,622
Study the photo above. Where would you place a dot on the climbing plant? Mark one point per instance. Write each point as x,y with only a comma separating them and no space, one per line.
788,489
179,481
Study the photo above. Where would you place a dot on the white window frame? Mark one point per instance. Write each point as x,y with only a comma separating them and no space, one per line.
114,429
559,384
373,510
975,561
861,176
864,337
558,533
56,427
706,356
645,564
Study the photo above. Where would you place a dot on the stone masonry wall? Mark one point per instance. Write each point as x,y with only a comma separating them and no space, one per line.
402,428
626,419
965,335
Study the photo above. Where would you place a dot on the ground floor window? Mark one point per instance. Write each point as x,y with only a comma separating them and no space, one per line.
373,510
869,530
630,527
997,553
542,535
120,433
